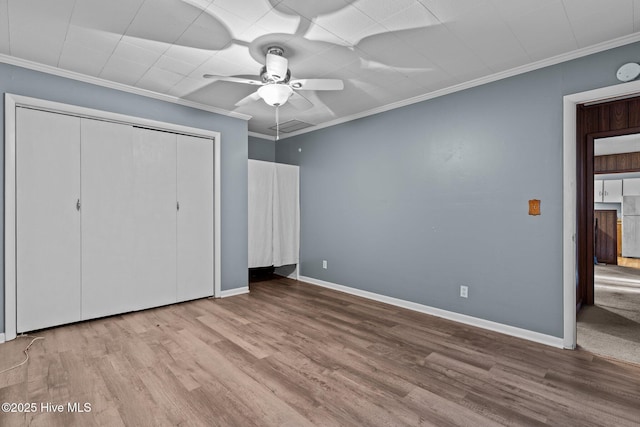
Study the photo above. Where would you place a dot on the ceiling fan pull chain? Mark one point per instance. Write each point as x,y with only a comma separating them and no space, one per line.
277,123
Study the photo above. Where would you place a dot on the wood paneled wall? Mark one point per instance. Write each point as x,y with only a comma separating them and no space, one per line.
615,163
606,237
603,120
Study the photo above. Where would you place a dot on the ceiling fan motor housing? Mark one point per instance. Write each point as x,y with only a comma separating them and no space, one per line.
275,69
269,78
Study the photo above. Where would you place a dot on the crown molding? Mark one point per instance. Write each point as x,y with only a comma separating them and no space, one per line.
262,136
579,53
558,59
48,69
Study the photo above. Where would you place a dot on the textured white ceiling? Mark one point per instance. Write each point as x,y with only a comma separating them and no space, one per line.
384,51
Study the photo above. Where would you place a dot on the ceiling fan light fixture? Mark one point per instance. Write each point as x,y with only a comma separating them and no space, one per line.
275,94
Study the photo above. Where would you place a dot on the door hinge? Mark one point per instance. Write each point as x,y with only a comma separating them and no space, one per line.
78,205
177,206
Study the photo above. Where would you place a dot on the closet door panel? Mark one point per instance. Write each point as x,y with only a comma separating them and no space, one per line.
107,221
154,216
47,221
195,217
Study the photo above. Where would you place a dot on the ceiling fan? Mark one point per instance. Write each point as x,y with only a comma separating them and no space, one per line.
276,86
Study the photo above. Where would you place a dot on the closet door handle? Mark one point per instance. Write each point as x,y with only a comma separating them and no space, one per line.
78,205
177,206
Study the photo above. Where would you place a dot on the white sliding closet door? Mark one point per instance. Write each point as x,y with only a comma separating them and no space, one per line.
107,219
154,216
47,221
195,217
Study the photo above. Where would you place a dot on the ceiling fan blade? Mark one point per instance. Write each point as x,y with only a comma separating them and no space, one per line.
233,79
300,102
248,99
317,84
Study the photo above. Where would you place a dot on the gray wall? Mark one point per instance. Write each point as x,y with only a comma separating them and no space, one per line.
414,202
262,149
21,81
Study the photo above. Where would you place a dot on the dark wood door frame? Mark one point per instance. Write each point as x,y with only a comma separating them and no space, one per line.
602,120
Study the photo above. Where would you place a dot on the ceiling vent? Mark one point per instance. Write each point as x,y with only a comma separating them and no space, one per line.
292,126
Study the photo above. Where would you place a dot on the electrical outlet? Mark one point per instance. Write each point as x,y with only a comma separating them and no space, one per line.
464,291
324,264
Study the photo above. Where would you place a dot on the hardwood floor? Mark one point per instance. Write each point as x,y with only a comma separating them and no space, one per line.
294,354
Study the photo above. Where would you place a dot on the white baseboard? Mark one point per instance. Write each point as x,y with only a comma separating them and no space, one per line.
234,292
1,338
450,315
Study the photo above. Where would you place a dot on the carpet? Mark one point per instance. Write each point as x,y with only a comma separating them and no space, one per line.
611,327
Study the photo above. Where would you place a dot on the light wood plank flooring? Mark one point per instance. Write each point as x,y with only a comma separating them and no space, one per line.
293,354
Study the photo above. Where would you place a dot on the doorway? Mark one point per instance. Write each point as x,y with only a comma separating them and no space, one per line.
610,326
572,186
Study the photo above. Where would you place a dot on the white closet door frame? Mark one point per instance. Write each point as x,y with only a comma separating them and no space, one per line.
12,101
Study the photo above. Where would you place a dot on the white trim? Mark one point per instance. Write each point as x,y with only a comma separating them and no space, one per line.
570,196
58,107
579,53
569,224
1,338
450,315
9,217
233,292
262,136
13,101
19,62
217,221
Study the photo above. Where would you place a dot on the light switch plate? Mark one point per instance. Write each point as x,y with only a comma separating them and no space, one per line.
534,207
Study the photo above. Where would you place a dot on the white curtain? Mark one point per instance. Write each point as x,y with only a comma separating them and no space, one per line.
261,177
286,215
274,214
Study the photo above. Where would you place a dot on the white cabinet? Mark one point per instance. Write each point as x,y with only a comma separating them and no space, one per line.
607,191
111,218
47,220
612,191
597,191
631,187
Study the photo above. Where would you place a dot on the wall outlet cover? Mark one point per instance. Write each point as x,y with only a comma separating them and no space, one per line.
464,291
